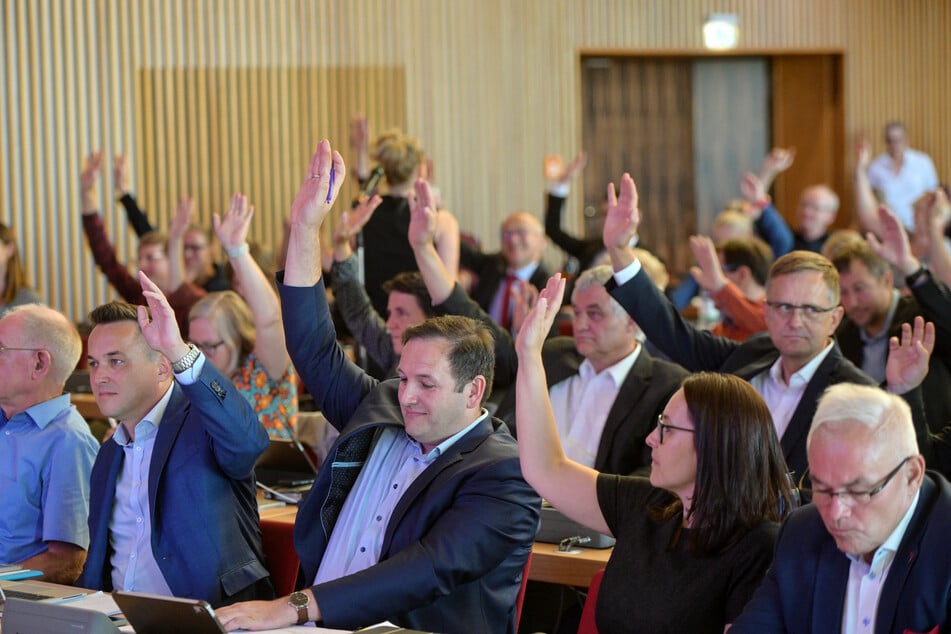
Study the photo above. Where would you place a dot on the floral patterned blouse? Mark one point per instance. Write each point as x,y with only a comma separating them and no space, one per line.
274,401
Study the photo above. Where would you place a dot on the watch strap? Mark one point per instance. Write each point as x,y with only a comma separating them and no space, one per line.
187,361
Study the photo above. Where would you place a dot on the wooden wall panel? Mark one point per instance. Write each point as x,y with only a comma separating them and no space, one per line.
490,87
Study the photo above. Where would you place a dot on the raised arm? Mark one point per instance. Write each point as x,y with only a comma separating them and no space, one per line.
769,223
447,241
776,162
184,214
360,145
567,485
253,286
621,223
123,189
311,205
559,180
422,235
866,207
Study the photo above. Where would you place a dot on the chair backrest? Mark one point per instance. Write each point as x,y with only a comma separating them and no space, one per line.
587,624
282,562
521,591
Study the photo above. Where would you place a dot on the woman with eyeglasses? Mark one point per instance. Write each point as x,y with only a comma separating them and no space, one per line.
14,291
695,540
243,334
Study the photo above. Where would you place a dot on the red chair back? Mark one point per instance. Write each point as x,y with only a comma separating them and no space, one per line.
282,562
521,591
587,624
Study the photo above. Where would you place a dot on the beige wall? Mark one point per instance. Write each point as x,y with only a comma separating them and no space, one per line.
490,87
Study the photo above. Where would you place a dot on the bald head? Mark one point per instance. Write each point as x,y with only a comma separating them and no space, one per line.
523,239
817,209
42,327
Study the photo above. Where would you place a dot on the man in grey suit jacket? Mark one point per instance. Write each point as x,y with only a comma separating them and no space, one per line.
870,554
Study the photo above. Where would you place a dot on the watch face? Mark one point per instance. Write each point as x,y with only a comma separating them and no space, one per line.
298,599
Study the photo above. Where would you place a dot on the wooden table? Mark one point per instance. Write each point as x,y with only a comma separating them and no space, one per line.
570,569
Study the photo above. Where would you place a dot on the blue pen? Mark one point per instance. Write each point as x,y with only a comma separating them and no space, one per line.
330,189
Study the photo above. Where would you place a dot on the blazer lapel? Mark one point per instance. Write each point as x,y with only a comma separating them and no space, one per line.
832,577
169,428
806,408
635,385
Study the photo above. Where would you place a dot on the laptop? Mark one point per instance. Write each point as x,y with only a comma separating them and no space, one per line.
21,615
285,464
156,614
38,591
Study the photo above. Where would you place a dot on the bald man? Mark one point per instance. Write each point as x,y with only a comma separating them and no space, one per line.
519,262
870,553
46,449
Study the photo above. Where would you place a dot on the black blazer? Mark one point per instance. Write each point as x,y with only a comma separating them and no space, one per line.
699,350
490,269
641,399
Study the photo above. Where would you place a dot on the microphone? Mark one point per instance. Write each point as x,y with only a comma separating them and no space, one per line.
370,186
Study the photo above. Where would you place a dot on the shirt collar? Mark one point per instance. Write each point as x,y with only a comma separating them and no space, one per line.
617,372
885,553
802,376
42,414
153,417
444,446
525,273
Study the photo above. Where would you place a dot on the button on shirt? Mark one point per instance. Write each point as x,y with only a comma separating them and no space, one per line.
46,455
781,398
395,461
582,403
866,580
134,567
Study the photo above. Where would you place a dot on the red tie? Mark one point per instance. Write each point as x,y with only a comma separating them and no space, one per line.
505,313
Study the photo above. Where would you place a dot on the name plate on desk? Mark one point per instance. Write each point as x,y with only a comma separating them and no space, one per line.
555,528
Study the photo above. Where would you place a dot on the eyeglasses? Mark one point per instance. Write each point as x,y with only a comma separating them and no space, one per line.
847,497
195,247
208,348
662,426
12,349
808,311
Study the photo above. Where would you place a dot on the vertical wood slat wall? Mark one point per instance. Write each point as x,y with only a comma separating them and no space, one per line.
490,88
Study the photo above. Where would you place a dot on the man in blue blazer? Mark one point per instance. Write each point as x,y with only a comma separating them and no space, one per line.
173,508
870,554
420,514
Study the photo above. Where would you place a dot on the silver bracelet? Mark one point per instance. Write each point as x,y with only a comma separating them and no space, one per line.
238,251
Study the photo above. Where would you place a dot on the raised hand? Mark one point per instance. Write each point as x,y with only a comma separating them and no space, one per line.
863,153
752,188
422,222
120,174
161,331
353,221
87,183
524,297
894,246
183,218
709,274
537,324
232,228
317,193
623,217
556,171
778,160
907,363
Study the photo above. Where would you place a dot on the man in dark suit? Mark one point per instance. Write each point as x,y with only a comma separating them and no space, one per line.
172,508
790,365
607,389
420,514
518,263
870,554
875,312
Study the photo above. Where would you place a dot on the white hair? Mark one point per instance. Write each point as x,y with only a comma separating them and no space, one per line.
887,416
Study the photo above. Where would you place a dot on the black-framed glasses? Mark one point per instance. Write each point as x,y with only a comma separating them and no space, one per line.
848,497
209,348
808,311
662,427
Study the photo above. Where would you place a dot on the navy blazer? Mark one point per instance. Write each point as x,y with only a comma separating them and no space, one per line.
699,350
456,545
804,590
206,535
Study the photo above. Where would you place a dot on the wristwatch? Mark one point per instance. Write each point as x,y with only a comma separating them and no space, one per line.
300,601
187,361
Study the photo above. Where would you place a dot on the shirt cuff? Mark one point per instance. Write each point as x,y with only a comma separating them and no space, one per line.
559,189
191,375
626,274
